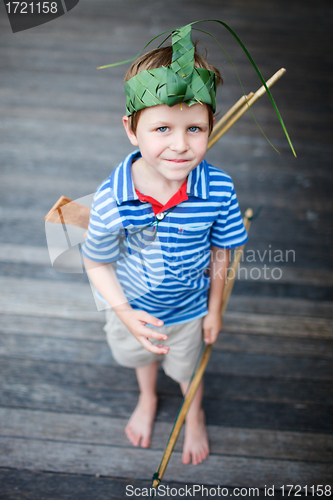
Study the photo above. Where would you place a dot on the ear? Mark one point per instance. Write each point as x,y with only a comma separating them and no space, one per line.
129,131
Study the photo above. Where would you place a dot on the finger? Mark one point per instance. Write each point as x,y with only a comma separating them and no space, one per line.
206,332
157,349
164,348
148,318
208,336
151,334
211,338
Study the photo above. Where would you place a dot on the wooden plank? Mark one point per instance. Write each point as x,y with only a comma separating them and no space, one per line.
64,95
278,233
45,298
269,365
32,485
105,378
40,268
126,462
39,272
252,388
252,295
86,429
266,415
18,230
75,301
49,185
51,327
76,153
228,342
231,363
292,275
287,326
276,306
308,253
278,230
25,254
83,389
28,254
55,349
83,186
269,344
320,297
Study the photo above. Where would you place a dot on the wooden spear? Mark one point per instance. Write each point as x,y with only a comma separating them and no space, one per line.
250,100
204,360
229,113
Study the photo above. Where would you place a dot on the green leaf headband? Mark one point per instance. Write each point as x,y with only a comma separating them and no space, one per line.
179,82
182,81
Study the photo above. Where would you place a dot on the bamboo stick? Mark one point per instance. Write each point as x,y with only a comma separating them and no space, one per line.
237,257
203,363
245,107
229,113
182,414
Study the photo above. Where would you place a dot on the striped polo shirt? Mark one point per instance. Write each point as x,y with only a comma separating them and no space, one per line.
161,260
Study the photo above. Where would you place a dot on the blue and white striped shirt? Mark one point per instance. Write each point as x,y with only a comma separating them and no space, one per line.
162,262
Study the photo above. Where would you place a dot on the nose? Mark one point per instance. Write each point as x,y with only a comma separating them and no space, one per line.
179,142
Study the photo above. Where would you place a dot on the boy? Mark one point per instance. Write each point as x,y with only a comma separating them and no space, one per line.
165,216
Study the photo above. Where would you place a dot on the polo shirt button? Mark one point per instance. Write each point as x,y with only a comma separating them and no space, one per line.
160,216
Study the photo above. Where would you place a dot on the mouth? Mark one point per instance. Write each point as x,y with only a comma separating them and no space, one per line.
178,160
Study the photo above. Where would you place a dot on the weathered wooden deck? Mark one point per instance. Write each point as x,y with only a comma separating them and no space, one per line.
63,401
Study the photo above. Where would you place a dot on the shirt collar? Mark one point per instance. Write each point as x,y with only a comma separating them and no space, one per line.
121,182
198,181
122,187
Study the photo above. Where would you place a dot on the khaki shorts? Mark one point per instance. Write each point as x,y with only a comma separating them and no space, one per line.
185,342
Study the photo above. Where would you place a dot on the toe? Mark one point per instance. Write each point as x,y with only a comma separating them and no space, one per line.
204,454
145,442
132,436
186,458
136,441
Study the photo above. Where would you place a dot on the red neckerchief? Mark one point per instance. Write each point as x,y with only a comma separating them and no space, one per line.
180,196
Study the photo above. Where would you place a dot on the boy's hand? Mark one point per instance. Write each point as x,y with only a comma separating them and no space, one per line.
136,320
212,324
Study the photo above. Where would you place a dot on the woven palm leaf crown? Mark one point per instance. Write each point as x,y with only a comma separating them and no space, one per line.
177,83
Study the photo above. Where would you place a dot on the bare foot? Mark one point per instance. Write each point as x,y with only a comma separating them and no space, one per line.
140,425
196,445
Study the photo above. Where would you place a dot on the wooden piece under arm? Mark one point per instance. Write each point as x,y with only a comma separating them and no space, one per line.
66,211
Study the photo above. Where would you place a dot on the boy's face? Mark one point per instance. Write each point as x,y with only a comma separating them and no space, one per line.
172,140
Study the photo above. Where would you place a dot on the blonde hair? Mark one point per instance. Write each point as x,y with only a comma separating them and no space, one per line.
163,57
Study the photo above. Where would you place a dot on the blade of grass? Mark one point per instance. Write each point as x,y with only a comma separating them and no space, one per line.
256,69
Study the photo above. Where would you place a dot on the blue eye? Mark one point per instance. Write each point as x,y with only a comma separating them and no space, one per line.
162,129
193,129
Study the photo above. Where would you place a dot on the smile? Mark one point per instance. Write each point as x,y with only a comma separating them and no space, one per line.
177,160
